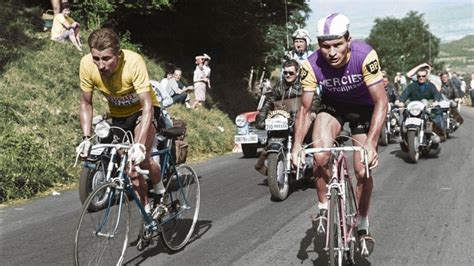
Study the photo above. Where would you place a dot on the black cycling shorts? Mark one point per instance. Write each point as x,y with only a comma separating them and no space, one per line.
130,122
358,116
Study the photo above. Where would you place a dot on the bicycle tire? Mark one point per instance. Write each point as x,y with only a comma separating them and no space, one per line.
351,212
182,200
332,219
102,235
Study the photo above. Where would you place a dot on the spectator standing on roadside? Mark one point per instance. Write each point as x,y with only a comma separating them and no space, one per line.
471,91
201,82
400,82
207,69
64,27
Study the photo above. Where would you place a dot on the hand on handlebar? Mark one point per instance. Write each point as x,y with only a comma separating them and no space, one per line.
399,103
83,150
297,155
137,153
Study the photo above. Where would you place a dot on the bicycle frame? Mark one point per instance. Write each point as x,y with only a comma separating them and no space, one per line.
167,166
340,181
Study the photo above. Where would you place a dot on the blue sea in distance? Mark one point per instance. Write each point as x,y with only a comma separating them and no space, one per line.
447,20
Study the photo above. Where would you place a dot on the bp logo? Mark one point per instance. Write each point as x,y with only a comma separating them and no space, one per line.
303,73
373,67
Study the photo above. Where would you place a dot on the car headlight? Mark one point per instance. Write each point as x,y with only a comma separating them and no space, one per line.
102,129
240,120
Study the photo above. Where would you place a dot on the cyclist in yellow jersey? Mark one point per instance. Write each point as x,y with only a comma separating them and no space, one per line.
121,76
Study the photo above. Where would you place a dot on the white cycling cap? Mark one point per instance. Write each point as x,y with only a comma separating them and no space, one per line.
333,26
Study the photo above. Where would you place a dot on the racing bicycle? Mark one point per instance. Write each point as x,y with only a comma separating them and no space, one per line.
342,240
102,235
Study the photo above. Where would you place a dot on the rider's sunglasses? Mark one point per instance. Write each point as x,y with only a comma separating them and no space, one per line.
291,73
421,76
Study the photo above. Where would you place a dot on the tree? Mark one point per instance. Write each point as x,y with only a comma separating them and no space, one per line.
403,43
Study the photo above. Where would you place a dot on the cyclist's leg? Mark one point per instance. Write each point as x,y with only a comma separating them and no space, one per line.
364,193
148,164
326,129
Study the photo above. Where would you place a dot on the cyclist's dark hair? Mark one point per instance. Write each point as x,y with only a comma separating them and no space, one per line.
104,38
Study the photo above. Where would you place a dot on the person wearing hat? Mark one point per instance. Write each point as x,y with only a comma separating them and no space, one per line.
350,75
201,82
301,43
207,69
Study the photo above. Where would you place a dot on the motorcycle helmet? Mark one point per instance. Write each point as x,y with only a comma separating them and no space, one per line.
302,34
333,26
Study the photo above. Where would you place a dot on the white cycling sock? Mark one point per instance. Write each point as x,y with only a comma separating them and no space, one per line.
323,205
363,224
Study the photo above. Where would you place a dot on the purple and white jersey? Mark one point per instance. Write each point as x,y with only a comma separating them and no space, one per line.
347,84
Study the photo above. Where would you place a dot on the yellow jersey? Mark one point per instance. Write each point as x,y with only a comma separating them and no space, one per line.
121,89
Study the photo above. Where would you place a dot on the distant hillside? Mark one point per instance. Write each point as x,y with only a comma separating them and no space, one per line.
459,54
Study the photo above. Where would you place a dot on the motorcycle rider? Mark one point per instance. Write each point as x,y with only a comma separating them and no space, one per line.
349,73
451,93
424,89
289,88
301,43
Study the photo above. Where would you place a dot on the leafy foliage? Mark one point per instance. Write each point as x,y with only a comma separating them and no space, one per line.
403,43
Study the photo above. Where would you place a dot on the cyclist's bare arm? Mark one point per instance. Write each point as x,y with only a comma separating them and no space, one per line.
379,97
147,117
85,112
306,102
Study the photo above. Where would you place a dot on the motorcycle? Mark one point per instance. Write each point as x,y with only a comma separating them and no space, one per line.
448,117
392,125
94,168
279,126
418,136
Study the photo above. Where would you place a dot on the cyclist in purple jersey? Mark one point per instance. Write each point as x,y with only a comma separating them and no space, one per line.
349,74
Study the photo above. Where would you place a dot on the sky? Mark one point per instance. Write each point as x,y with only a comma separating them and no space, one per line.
448,20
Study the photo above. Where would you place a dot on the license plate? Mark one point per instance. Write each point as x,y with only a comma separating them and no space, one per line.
413,121
276,124
242,139
97,151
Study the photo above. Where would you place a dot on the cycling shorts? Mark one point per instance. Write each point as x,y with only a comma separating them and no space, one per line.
358,116
130,122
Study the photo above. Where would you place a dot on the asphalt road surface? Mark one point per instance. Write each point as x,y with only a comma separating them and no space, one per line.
421,214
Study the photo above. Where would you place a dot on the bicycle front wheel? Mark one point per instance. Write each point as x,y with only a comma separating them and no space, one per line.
102,235
182,200
334,231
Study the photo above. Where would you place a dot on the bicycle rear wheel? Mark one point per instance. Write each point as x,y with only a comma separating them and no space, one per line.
102,235
182,199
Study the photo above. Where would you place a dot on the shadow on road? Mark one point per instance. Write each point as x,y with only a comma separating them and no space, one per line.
202,227
319,243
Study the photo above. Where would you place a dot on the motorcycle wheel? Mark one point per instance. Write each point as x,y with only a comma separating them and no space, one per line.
278,182
413,146
249,150
384,138
88,181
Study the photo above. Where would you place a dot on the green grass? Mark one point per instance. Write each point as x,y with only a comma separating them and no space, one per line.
39,122
459,55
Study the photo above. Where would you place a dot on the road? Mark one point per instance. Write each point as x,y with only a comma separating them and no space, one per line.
421,214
